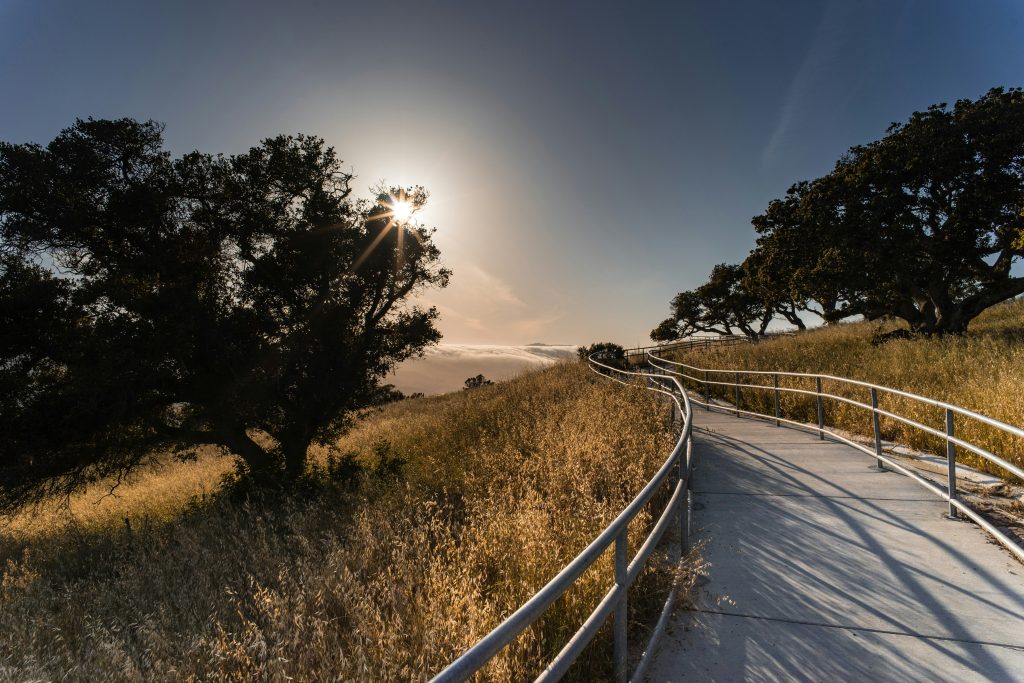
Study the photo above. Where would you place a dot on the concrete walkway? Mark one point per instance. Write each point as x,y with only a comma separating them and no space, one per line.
824,569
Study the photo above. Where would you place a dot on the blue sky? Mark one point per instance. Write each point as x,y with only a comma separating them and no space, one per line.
586,160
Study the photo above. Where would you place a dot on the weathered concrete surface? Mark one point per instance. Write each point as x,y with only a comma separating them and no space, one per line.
823,568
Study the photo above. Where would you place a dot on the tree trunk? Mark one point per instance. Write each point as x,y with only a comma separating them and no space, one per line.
953,320
262,463
956,317
794,318
294,450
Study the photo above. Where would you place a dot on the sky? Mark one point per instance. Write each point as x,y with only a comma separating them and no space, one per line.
586,161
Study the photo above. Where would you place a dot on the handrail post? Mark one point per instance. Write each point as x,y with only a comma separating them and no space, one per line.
621,643
951,462
684,501
878,430
707,392
821,410
775,381
737,394
680,481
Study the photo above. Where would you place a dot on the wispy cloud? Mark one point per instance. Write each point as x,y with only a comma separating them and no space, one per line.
822,48
481,306
450,314
495,288
538,325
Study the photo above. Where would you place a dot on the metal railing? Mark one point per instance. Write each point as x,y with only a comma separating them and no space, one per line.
731,379
675,468
639,353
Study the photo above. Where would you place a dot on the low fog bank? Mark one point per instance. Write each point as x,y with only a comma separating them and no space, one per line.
445,367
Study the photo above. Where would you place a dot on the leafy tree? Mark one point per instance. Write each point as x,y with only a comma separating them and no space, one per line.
605,352
924,224
477,382
385,394
803,257
762,271
723,305
153,303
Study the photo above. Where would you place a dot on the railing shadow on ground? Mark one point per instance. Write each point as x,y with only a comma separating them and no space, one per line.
735,381
675,470
893,593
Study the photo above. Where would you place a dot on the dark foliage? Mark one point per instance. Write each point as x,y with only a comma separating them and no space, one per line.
385,394
152,303
476,382
605,352
724,305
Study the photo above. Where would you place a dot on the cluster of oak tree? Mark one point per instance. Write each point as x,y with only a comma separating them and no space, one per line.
924,225
607,353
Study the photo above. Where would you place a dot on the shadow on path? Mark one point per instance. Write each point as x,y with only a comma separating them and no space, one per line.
824,568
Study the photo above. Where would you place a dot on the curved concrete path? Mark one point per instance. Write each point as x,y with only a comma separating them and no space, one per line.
825,569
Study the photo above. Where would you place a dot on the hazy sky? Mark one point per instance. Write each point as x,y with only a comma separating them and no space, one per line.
586,161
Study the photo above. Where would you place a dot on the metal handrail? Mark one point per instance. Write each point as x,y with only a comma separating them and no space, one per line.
689,344
702,341
615,600
950,495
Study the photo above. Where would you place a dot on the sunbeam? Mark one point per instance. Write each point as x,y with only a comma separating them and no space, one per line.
373,245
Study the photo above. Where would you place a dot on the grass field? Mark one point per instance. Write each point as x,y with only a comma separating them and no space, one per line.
982,371
171,578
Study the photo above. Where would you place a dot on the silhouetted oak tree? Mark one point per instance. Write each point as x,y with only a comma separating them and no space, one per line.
924,224
608,353
761,273
723,305
150,303
476,382
802,254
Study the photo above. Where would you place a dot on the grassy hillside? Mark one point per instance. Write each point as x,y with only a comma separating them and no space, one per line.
169,578
983,371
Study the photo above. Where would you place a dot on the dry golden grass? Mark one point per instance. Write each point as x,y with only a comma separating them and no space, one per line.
982,371
170,580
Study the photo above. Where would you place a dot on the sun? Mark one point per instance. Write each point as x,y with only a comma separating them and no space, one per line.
402,211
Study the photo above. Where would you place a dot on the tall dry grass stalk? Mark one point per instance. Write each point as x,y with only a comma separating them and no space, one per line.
982,371
503,485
